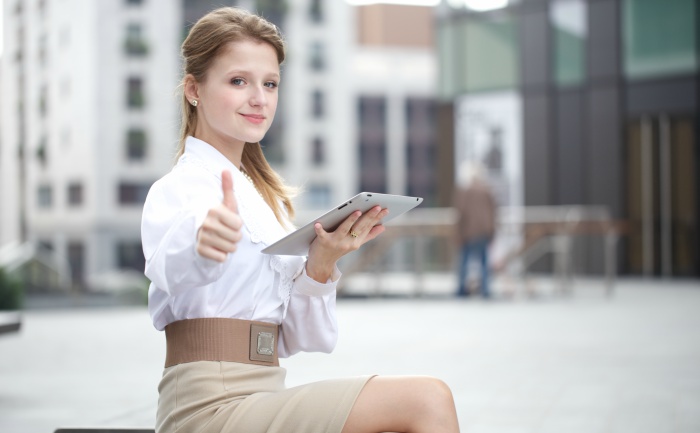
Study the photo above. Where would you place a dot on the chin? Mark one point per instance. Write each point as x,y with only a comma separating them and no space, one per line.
255,138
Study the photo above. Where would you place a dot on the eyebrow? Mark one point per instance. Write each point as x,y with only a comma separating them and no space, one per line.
246,72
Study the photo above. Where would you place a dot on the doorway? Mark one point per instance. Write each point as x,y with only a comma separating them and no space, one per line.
662,184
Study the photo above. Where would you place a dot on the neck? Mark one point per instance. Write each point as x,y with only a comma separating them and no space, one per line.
232,150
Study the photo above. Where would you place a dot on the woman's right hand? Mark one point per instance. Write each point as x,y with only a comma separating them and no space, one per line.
221,230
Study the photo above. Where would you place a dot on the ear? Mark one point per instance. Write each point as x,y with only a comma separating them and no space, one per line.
190,87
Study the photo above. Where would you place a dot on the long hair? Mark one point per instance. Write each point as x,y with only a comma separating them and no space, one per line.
205,41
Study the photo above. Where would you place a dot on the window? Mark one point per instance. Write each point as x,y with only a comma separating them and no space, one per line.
372,148
134,45
42,49
318,104
491,60
316,11
136,144
659,38
319,196
318,151
75,194
421,148
43,101
76,259
130,256
134,2
44,196
133,194
568,19
134,97
42,151
45,246
317,60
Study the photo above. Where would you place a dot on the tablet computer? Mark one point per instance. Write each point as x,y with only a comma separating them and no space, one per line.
297,243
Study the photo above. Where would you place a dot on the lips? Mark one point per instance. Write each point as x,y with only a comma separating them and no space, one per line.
254,118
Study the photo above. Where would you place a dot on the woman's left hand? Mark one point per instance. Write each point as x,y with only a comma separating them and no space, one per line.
328,247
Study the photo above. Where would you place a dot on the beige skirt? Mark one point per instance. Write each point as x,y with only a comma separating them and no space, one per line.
230,397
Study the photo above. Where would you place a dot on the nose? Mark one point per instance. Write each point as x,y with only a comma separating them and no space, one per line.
258,97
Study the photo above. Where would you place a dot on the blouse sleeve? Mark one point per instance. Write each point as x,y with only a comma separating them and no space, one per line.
310,324
174,209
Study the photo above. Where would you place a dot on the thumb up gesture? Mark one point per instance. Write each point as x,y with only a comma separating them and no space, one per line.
221,229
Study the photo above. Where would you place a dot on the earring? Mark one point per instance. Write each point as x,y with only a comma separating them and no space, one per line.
194,102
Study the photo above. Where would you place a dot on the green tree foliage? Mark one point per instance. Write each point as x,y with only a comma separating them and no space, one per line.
11,293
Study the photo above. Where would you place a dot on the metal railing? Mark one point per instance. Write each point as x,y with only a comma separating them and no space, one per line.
530,233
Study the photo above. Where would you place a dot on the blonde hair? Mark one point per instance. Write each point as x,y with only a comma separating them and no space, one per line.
205,41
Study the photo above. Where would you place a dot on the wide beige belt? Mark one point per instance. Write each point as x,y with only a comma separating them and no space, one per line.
217,339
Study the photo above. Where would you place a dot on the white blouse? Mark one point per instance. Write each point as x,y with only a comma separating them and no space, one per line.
249,285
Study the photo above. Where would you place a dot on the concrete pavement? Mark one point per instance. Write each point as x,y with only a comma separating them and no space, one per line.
582,363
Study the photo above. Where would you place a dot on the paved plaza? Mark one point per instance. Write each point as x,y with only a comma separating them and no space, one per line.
585,362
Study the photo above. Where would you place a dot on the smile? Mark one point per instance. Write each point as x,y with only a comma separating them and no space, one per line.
254,118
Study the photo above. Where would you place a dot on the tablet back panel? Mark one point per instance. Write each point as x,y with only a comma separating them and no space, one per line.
297,243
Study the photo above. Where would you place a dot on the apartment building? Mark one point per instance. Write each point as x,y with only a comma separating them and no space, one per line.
89,122
91,115
361,111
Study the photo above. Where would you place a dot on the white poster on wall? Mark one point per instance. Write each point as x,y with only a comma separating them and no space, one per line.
489,131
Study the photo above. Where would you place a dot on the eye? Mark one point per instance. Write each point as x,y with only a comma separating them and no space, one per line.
237,81
271,84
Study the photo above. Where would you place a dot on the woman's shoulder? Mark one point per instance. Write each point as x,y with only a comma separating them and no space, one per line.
185,179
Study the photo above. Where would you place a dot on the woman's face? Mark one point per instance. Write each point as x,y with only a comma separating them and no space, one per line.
238,98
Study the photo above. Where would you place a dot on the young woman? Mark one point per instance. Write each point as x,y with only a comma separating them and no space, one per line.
229,311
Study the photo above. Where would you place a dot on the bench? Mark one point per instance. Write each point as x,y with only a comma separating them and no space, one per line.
104,430
10,321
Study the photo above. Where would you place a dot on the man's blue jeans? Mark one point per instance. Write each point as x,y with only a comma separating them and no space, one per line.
478,248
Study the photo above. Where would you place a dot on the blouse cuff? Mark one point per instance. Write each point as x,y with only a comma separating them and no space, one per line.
308,286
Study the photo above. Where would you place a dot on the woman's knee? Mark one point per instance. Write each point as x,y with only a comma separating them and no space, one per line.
425,397
414,403
436,393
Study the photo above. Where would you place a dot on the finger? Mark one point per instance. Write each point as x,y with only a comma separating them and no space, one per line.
227,187
376,231
211,253
369,219
222,238
231,220
348,223
318,228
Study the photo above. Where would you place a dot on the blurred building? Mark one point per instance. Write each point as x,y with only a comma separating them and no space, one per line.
91,118
593,102
89,122
360,102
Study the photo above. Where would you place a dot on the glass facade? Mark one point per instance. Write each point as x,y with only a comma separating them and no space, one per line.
490,56
569,27
659,37
448,58
590,102
478,54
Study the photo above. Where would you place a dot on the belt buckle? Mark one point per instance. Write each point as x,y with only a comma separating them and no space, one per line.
266,340
262,342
